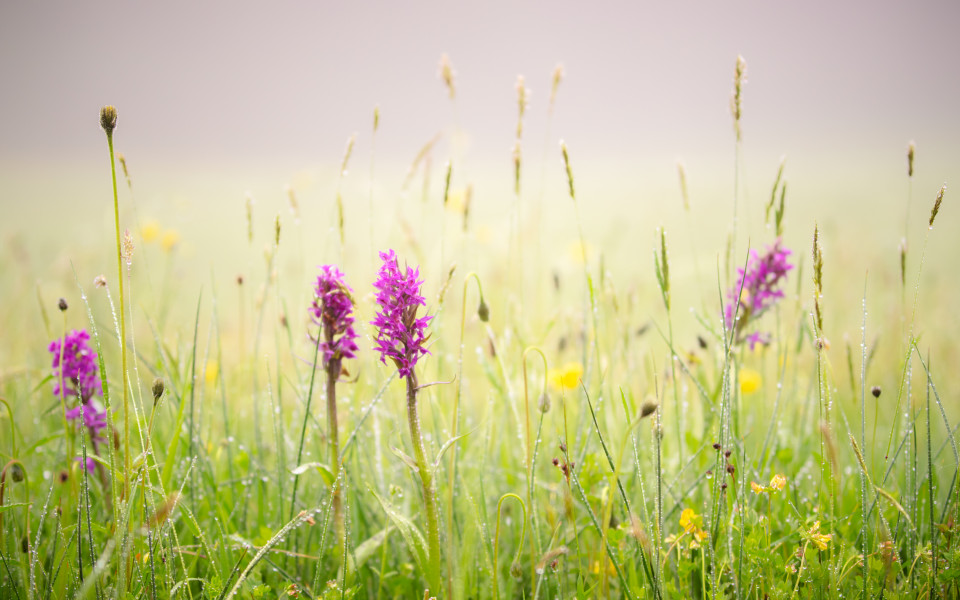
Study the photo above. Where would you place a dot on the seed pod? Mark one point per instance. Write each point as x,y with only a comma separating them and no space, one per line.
158,387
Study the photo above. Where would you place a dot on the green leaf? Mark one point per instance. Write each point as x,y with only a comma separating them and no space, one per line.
405,458
448,444
370,545
411,535
7,507
323,469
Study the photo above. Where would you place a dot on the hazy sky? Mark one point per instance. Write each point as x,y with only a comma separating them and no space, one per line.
249,82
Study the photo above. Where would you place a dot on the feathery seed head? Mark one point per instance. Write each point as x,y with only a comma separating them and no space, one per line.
936,204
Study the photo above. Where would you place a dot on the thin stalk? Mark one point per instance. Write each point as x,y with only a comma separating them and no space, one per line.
426,479
933,530
496,543
123,323
483,312
333,373
535,550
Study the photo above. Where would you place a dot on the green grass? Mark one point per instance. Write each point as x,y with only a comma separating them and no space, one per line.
606,486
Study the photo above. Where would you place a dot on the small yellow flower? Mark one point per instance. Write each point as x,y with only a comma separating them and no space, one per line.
690,520
778,482
749,381
211,371
170,239
580,253
820,540
757,488
699,536
456,201
150,231
567,378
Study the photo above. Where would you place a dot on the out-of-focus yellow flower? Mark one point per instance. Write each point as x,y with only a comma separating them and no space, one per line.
567,378
150,231
169,240
749,381
456,201
690,520
820,540
211,371
692,523
778,482
580,253
595,568
699,536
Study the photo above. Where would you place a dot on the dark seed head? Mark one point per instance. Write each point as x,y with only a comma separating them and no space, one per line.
64,476
727,453
157,389
16,472
108,119
483,311
716,445
875,391
648,408
62,304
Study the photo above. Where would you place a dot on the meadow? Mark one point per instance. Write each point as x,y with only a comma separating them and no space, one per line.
406,385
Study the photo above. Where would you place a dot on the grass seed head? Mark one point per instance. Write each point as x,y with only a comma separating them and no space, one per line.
558,74
911,152
62,304
682,172
447,74
936,204
736,101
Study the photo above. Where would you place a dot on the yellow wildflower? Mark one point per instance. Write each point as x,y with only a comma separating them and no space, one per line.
211,371
150,231
456,201
169,240
757,488
749,381
699,536
567,378
778,482
580,253
690,520
820,540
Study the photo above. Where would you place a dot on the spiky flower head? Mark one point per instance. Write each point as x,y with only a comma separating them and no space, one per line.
108,119
78,372
400,334
758,287
332,310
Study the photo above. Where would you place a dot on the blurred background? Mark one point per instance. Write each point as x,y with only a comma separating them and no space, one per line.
220,102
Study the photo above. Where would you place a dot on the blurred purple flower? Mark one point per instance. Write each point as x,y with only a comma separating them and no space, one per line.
400,334
94,418
90,463
759,290
79,372
332,310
